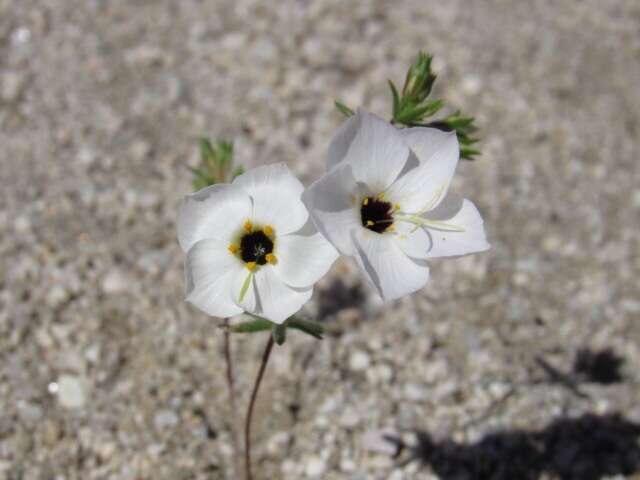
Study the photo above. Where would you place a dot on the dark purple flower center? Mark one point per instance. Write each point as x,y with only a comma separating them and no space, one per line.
255,246
376,214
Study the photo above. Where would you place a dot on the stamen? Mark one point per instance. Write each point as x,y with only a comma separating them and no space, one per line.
248,226
233,248
425,222
271,259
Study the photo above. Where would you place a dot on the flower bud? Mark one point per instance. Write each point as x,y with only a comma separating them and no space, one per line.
419,80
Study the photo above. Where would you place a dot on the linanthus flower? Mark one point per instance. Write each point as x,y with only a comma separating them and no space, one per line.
251,246
385,201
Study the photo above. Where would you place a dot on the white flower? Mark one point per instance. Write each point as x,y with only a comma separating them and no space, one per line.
385,202
251,247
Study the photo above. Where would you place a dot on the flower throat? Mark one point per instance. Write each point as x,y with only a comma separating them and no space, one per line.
255,246
376,214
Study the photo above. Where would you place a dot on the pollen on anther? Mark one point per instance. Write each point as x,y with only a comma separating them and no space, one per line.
248,226
251,266
268,231
233,248
271,258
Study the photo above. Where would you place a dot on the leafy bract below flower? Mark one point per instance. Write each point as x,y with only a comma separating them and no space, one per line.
385,202
251,247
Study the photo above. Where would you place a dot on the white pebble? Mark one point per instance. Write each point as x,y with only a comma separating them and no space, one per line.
165,419
315,467
71,392
359,361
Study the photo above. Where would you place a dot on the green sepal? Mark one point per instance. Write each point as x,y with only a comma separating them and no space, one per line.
346,111
279,333
252,326
314,329
259,324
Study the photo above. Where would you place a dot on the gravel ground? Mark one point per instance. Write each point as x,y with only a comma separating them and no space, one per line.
522,363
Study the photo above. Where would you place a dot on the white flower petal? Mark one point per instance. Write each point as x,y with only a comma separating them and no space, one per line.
276,197
466,236
331,203
424,187
387,268
210,269
412,239
213,212
303,259
341,141
377,153
276,301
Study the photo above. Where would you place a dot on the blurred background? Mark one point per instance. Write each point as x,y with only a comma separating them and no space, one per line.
521,363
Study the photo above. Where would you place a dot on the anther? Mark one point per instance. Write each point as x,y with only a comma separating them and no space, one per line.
271,258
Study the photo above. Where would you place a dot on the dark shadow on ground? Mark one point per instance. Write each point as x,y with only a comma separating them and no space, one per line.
338,296
603,367
600,366
585,448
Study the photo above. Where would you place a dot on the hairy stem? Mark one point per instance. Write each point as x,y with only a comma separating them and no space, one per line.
254,394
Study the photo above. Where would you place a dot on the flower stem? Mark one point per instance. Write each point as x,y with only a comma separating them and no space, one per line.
232,397
254,394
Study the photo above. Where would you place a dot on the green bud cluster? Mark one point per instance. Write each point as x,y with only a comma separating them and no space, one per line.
216,164
412,107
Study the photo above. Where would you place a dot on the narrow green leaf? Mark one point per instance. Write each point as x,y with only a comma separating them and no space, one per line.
206,150
469,153
396,98
252,326
346,111
314,329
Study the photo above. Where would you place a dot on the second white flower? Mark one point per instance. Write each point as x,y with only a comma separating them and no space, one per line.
385,201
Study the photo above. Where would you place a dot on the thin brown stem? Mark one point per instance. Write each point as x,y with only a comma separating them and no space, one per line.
254,394
232,397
